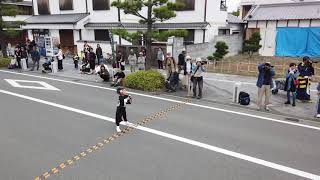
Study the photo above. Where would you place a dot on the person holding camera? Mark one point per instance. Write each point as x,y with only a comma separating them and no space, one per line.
121,114
265,84
197,78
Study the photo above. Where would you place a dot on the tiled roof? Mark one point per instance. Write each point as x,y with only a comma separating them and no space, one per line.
56,19
196,25
22,3
234,19
285,11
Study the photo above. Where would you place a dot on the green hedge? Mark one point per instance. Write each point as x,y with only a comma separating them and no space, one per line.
4,62
150,80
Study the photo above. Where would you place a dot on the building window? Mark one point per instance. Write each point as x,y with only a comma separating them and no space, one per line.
101,4
66,4
189,5
189,39
223,5
101,35
43,7
224,32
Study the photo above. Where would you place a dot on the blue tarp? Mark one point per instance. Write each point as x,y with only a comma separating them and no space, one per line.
298,42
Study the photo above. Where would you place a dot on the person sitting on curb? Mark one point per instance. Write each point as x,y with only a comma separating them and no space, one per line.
291,85
118,79
265,84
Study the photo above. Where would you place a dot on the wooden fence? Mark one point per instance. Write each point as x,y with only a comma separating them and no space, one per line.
250,68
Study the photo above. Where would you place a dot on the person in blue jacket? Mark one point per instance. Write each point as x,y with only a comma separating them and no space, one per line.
291,85
265,84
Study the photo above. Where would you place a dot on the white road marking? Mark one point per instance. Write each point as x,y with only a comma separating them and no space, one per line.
178,138
175,101
43,85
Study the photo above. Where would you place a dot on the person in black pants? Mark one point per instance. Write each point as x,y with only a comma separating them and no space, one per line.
24,55
92,60
17,53
121,114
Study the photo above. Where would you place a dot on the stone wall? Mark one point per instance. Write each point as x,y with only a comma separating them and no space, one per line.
203,50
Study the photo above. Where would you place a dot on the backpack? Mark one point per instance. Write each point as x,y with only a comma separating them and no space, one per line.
244,98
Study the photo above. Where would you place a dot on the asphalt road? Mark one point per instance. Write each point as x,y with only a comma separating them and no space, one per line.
41,129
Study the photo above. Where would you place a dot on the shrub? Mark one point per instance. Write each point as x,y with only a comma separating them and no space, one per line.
221,50
150,80
211,58
4,62
253,44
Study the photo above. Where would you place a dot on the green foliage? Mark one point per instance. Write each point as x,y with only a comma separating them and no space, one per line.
164,35
4,62
211,58
236,13
253,44
150,80
221,50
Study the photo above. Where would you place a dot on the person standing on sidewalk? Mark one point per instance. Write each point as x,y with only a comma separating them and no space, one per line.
60,59
141,61
92,60
318,103
291,85
187,74
181,60
306,71
197,78
99,54
132,58
35,56
17,54
24,55
265,84
160,58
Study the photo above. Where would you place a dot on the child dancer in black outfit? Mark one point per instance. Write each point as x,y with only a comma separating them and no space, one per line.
121,113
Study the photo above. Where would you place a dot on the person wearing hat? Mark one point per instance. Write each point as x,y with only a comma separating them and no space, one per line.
197,78
141,61
265,84
181,59
306,71
160,58
121,114
132,58
187,71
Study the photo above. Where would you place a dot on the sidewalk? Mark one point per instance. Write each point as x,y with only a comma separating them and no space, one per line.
218,88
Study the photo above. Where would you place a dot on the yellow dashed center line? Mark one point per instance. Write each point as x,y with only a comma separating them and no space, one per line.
106,141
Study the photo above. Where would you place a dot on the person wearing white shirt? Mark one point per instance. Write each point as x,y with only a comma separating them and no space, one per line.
60,58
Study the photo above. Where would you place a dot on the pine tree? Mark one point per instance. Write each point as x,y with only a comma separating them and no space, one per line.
221,50
253,44
6,28
157,11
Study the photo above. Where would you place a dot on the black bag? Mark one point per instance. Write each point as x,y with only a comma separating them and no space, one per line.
244,98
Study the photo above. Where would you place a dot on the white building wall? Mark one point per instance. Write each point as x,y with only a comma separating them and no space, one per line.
198,36
54,33
315,23
304,23
293,23
30,35
282,23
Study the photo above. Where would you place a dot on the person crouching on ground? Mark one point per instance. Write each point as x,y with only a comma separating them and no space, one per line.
197,78
265,84
291,85
104,73
121,114
118,78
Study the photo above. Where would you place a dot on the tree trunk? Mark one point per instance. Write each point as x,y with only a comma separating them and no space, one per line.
148,37
3,44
